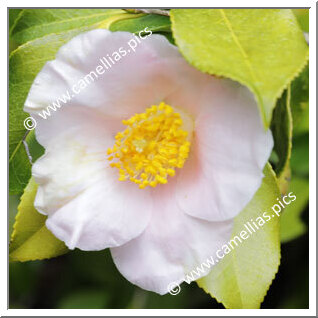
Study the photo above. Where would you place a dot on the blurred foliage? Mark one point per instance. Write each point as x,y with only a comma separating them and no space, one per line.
72,279
291,224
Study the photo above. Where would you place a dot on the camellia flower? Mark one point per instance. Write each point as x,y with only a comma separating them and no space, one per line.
153,159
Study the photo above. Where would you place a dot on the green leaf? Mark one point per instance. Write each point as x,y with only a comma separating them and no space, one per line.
155,23
19,170
13,208
281,127
20,165
263,49
85,299
36,23
291,224
31,240
14,15
299,160
242,278
300,102
302,16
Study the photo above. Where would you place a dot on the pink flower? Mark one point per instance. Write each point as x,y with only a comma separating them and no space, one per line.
195,158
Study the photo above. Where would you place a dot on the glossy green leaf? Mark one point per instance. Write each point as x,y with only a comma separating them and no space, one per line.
281,127
31,240
20,165
155,23
241,279
36,23
263,49
299,102
291,224
19,170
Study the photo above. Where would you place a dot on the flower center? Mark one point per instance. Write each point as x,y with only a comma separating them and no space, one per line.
151,147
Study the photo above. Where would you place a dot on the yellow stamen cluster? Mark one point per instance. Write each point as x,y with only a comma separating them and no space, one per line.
151,147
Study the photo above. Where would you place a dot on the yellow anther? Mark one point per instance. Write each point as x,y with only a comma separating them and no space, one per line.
153,183
151,147
171,172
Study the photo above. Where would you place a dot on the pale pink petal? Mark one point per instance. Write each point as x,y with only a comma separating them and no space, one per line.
107,214
135,82
172,245
229,151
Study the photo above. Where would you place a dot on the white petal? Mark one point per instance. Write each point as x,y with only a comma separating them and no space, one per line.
173,245
155,72
75,158
87,206
136,81
229,151
107,214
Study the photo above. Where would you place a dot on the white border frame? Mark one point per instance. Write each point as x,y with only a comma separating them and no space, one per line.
312,164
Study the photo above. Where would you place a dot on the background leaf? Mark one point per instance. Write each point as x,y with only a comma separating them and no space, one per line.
300,102
263,49
281,127
292,225
13,17
155,23
302,16
31,240
35,23
300,156
85,299
241,279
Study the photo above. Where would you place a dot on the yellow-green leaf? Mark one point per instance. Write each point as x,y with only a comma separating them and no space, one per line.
31,240
241,279
263,49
